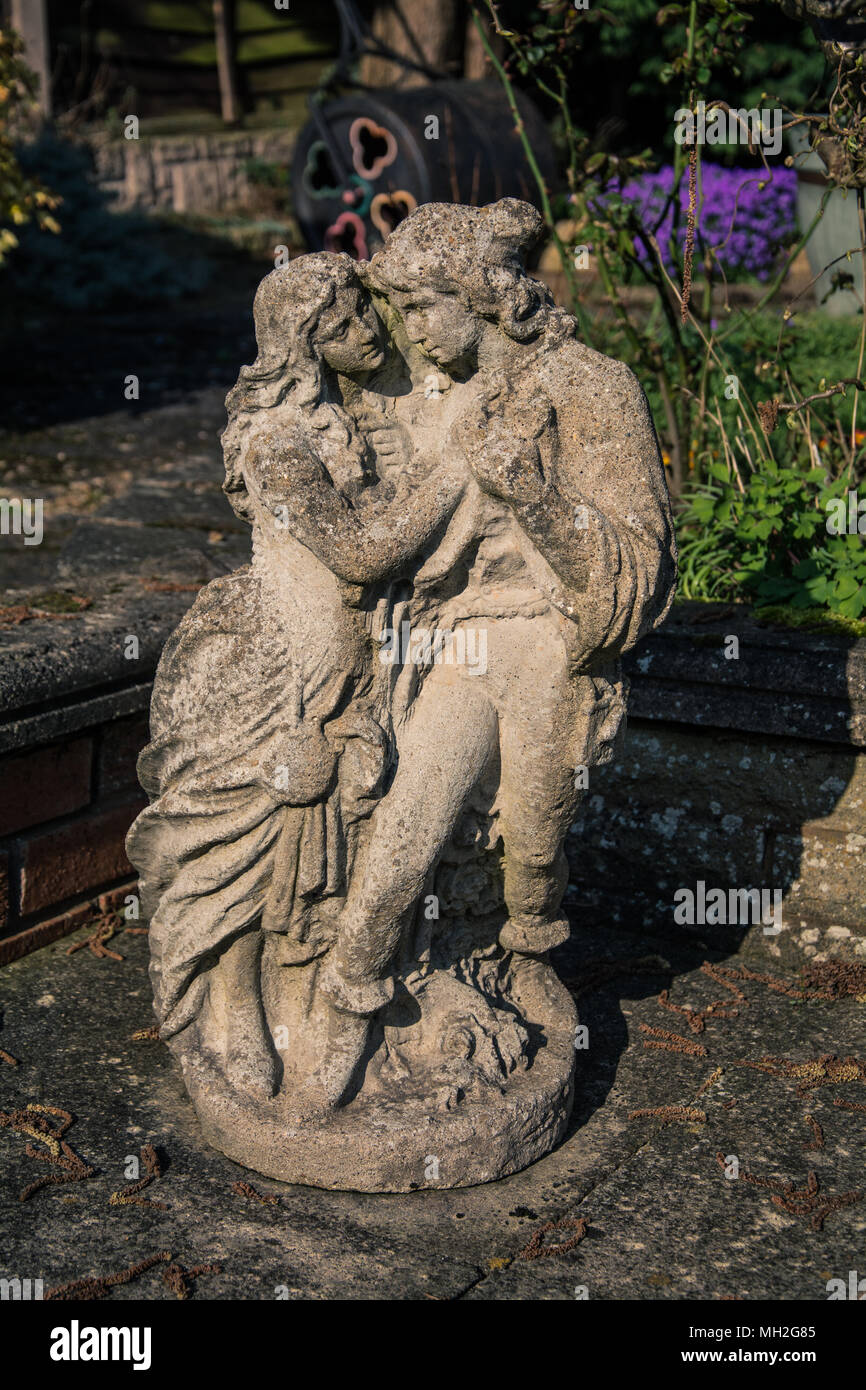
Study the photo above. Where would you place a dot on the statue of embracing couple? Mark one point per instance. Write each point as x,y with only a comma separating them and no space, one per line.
353,864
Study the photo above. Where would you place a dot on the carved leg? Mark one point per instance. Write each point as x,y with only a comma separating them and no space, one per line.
250,1061
538,799
443,750
538,739
533,894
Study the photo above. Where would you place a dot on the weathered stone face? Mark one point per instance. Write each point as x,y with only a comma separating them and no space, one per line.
365,745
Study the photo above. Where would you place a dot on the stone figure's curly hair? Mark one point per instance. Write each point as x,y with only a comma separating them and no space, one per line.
288,372
476,254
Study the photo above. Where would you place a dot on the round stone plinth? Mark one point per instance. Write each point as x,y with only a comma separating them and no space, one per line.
398,1142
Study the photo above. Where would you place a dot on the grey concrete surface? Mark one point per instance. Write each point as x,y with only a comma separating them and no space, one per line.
662,1220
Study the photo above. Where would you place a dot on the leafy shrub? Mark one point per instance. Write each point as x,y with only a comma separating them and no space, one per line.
768,541
22,199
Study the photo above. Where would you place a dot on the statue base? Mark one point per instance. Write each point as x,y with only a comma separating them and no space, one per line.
451,1116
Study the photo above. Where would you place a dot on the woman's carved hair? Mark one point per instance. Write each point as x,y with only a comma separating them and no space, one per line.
288,370
476,254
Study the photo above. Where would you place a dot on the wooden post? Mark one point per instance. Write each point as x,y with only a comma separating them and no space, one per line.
30,20
223,18
417,29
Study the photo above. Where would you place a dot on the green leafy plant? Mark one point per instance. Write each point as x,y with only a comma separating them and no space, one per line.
677,342
759,427
767,540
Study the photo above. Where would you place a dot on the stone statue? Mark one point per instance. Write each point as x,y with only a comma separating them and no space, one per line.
368,745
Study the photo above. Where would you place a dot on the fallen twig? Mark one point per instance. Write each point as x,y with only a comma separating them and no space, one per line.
245,1189
536,1249
131,1196
32,1122
688,1114
671,1042
97,1285
106,928
800,1201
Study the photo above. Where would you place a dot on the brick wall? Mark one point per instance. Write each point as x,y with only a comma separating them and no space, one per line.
65,809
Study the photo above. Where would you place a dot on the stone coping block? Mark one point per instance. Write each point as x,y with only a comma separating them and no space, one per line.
788,682
801,684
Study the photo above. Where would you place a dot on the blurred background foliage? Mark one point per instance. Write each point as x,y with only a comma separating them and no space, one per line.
752,467
619,57
103,258
23,198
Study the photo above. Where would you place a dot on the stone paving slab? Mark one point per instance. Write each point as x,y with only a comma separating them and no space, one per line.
662,1220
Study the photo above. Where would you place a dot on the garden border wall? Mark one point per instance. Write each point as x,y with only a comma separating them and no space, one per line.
746,771
195,173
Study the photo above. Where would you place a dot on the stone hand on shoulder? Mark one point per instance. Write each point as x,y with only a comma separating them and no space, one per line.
526,411
281,461
505,463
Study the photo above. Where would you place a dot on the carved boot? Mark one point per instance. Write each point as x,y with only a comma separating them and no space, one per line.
535,984
533,935
351,1009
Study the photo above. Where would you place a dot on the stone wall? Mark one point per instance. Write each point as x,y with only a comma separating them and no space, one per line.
741,771
186,173
75,691
733,810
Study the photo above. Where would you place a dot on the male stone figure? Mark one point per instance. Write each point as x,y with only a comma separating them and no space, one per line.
421,442
562,545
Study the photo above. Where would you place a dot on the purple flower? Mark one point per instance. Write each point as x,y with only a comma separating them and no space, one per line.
746,225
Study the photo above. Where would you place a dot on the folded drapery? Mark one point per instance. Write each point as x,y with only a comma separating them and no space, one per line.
240,830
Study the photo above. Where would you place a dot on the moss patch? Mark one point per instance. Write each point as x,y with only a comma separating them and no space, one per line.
810,619
54,601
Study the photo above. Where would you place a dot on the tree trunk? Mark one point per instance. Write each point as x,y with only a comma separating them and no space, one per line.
30,20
